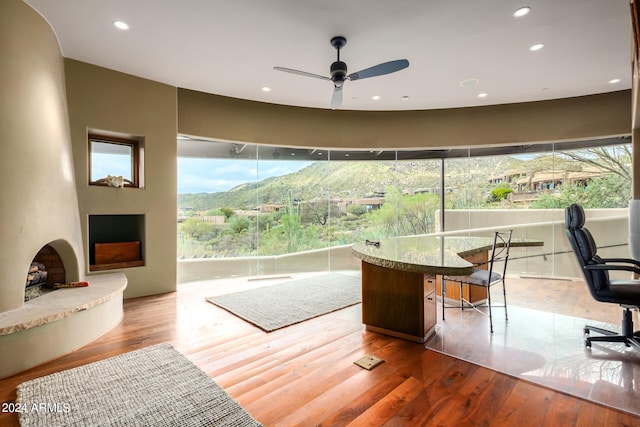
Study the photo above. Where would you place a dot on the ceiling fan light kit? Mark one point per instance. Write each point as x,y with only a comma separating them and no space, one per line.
338,71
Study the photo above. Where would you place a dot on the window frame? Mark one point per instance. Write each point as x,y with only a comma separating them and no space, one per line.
135,158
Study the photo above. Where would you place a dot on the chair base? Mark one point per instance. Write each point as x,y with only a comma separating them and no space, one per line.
485,304
461,305
476,306
628,337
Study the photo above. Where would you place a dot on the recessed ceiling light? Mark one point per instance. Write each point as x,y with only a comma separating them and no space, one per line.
266,89
536,46
483,95
469,82
614,81
375,97
405,98
522,11
121,25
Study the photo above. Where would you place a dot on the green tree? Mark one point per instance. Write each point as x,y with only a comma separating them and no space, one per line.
197,229
318,211
417,214
214,212
561,200
292,231
404,215
501,192
614,160
358,210
227,212
292,224
238,224
609,191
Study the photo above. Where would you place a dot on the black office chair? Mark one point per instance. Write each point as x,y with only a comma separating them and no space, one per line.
625,292
485,277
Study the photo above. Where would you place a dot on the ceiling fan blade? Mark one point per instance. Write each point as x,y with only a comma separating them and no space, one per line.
380,69
336,99
301,73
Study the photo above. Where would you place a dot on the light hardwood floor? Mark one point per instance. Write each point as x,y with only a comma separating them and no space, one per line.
304,374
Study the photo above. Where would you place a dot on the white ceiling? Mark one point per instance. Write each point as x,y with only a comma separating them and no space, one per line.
230,47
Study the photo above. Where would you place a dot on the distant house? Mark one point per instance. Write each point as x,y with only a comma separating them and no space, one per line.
527,187
431,190
252,212
370,203
271,208
509,176
214,219
554,180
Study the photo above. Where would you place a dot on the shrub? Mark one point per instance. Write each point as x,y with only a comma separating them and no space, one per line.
501,193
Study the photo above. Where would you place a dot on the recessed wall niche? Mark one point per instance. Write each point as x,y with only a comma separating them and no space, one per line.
116,241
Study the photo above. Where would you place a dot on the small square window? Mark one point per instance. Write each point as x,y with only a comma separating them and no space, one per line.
113,162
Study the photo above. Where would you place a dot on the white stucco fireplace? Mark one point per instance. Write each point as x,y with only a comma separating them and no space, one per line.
59,321
35,130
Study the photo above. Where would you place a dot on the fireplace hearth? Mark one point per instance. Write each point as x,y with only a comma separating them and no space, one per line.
59,322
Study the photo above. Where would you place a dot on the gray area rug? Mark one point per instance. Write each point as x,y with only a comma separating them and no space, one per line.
274,307
153,386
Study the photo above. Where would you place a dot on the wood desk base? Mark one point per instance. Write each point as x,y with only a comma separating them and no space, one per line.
398,303
401,335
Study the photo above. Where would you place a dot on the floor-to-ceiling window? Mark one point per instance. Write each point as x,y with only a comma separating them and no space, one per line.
279,208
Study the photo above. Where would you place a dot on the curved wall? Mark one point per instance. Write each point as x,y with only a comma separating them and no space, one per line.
38,199
218,117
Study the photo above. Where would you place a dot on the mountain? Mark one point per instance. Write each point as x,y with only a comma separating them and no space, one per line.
350,179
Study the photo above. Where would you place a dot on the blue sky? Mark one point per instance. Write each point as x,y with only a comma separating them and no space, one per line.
110,164
213,175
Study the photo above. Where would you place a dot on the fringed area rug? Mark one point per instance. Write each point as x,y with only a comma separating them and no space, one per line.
153,386
274,307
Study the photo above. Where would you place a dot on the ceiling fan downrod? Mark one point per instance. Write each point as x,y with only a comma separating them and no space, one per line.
338,69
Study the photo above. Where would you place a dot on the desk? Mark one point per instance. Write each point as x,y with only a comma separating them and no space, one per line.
399,279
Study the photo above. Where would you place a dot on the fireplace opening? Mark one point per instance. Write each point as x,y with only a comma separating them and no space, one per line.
45,270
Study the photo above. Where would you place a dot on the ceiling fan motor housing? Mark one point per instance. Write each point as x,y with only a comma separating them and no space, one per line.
338,73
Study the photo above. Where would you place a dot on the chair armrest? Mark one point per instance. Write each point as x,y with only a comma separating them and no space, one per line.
612,267
622,260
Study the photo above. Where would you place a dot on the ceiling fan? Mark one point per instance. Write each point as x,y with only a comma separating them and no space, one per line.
339,74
